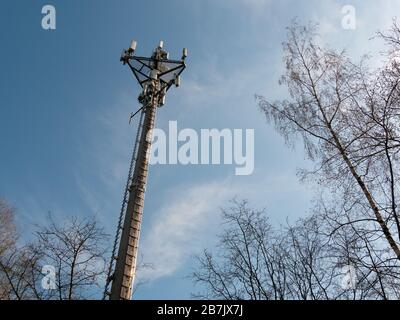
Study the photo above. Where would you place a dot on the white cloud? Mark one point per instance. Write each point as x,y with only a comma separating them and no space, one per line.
190,220
181,227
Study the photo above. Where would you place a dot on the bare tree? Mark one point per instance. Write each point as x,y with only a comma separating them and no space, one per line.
242,269
65,261
8,231
76,249
21,272
256,262
309,260
17,264
348,118
8,238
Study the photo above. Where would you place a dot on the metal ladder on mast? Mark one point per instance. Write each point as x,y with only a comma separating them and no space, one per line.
123,207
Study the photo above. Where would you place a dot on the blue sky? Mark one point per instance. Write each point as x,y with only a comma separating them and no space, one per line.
65,101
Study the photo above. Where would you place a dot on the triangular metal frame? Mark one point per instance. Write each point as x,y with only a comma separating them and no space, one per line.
178,68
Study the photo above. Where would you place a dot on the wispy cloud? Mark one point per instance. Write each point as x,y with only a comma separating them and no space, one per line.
182,226
190,220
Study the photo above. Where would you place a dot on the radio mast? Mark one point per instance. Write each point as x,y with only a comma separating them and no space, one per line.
156,75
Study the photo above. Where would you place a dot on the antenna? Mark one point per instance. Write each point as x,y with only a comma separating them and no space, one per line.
132,47
184,53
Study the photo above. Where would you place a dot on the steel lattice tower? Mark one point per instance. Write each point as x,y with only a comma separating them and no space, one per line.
155,75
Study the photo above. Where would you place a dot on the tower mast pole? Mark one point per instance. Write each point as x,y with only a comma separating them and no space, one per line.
127,254
155,75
